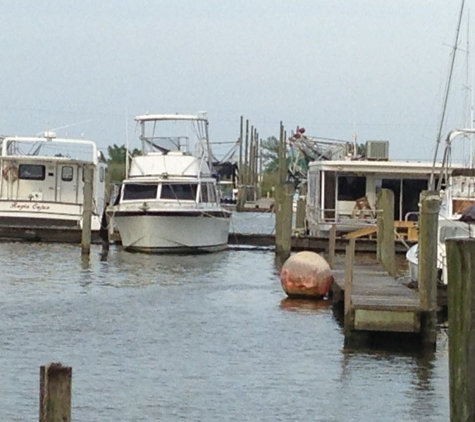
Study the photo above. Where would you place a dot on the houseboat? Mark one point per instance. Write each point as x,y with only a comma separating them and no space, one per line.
344,192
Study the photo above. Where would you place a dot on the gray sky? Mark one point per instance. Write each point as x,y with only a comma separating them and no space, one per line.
376,67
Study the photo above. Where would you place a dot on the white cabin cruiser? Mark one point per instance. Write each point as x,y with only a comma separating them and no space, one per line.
41,188
169,201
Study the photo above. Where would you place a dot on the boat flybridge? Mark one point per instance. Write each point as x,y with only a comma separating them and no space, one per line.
41,188
169,201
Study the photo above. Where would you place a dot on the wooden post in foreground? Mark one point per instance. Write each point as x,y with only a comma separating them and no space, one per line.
461,305
55,393
427,267
88,176
386,247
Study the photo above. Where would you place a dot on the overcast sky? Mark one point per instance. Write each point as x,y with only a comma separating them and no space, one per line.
374,67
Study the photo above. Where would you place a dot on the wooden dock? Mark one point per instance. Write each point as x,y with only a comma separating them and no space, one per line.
375,301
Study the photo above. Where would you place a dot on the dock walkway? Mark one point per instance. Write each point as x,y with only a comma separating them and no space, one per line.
375,301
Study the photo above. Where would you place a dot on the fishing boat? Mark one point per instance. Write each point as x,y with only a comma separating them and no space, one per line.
169,201
41,188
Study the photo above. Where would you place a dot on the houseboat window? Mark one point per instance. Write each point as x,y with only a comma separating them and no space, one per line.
139,191
31,172
67,174
182,191
351,188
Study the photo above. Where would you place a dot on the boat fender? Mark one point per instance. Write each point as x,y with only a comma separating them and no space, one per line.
10,173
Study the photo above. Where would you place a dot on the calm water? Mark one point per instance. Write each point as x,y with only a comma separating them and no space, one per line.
193,338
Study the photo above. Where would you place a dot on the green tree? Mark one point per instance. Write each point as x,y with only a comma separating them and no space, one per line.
118,153
270,154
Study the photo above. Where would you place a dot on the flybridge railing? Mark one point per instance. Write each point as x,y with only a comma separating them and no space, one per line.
50,147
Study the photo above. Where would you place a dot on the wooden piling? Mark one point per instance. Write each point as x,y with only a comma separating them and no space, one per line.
461,307
55,393
283,230
332,246
284,198
88,177
300,215
427,267
386,246
349,263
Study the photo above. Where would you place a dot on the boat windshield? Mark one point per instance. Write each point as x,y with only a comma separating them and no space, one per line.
181,191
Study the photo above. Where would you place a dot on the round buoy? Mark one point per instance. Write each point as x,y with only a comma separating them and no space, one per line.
306,274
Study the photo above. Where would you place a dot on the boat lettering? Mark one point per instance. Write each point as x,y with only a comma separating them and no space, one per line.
36,206
40,207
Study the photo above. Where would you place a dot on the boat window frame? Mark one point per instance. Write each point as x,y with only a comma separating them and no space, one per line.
140,196
67,179
175,195
23,169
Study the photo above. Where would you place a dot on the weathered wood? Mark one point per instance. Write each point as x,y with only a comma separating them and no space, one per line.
428,225
88,177
349,262
461,290
387,252
283,231
300,213
55,393
383,320
331,246
365,231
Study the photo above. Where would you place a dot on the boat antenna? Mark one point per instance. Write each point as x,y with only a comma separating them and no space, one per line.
126,143
446,96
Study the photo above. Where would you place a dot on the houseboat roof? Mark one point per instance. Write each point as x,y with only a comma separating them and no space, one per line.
366,166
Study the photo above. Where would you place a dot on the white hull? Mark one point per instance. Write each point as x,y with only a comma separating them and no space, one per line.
155,233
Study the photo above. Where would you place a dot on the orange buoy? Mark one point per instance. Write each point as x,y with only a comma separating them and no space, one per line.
306,274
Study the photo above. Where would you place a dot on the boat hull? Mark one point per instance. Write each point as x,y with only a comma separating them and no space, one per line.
179,232
44,222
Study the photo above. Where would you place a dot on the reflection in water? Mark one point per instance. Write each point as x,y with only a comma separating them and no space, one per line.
305,306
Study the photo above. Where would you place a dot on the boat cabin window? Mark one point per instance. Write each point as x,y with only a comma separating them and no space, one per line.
67,174
139,191
31,172
351,188
208,193
181,191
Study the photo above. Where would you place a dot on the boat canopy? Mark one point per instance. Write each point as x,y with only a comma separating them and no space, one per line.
151,117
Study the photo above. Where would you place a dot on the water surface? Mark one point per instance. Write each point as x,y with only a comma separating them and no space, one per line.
195,338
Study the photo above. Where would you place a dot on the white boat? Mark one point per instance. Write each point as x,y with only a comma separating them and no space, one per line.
457,196
169,201
41,188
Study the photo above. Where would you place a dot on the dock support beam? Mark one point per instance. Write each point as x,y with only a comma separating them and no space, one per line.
55,393
428,230
461,289
88,176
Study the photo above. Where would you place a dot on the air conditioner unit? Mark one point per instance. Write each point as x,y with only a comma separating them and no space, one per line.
377,150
